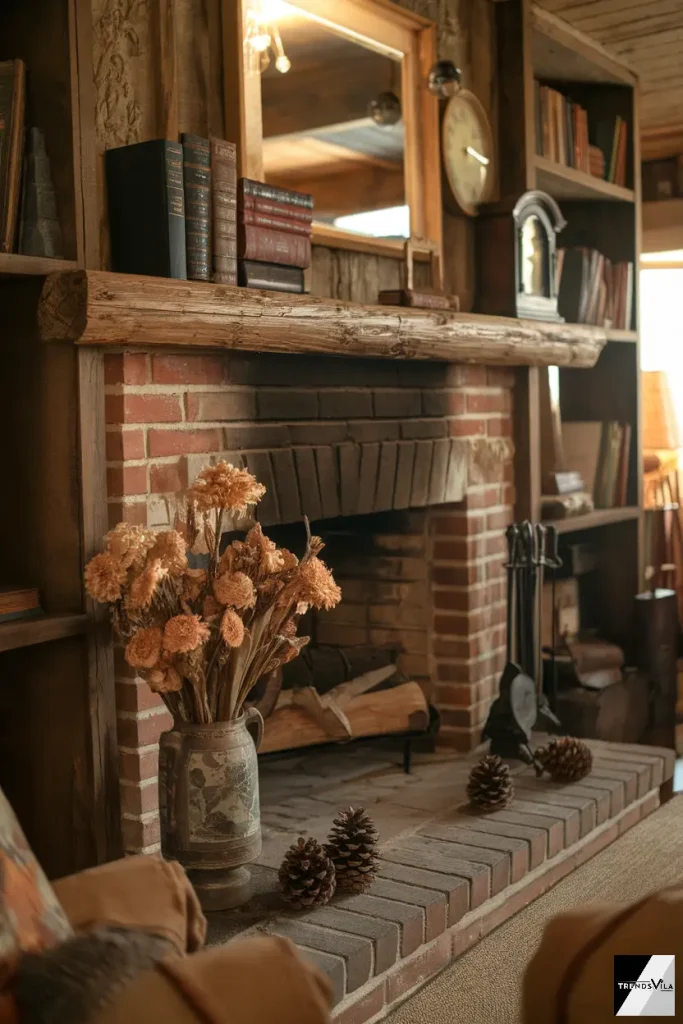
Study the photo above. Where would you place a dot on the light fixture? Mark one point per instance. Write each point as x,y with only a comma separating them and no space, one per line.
263,35
444,79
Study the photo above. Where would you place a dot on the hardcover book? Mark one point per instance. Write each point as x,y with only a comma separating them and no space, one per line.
271,246
260,190
147,208
270,277
197,184
40,233
224,197
12,108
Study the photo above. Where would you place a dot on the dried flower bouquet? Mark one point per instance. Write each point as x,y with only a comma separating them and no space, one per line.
202,638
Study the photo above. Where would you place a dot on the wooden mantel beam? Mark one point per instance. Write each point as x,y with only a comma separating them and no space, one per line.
101,308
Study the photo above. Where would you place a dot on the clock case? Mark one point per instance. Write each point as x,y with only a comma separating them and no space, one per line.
500,229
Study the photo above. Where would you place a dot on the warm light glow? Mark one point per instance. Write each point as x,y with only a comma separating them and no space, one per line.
260,42
274,10
390,223
283,64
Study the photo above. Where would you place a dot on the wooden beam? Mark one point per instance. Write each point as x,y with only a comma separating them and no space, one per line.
354,188
101,308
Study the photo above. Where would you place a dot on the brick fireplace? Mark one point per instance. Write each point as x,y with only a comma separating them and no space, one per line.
412,458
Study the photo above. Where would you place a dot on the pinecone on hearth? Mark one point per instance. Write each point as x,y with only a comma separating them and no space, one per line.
307,877
490,784
566,759
352,846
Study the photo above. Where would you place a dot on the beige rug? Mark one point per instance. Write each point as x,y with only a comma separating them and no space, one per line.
484,985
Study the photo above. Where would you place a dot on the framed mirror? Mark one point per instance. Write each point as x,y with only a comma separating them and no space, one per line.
330,97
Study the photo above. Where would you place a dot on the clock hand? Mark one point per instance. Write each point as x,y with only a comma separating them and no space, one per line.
477,155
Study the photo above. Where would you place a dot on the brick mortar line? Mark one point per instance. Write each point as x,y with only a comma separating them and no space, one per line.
565,856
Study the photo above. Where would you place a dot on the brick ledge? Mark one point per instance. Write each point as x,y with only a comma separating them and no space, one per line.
378,997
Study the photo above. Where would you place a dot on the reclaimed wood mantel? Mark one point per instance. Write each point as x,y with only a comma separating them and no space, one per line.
91,307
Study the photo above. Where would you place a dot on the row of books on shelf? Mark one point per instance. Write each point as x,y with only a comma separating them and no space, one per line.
29,223
564,134
18,603
179,210
600,453
593,290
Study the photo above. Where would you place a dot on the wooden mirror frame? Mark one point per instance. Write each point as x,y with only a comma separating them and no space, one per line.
399,31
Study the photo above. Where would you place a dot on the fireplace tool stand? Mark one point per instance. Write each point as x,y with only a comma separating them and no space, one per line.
522,704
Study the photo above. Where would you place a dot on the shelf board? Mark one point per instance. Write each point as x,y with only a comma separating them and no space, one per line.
592,520
32,266
40,630
617,334
562,53
567,183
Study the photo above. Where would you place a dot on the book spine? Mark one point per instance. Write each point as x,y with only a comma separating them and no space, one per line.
269,246
264,220
248,187
286,210
175,209
12,109
623,465
197,179
39,230
224,194
270,277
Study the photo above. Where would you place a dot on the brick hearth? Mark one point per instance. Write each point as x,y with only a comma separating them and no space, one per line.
447,877
316,430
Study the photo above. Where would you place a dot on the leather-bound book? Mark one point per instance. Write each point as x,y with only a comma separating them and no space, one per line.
197,182
290,212
147,209
248,188
270,277
270,246
224,198
12,108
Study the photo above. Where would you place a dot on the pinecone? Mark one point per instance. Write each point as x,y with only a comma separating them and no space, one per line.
566,759
352,846
306,875
490,784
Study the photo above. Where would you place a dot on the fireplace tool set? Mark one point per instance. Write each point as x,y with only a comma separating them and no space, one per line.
522,703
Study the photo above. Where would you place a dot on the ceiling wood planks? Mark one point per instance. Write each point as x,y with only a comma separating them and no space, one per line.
649,35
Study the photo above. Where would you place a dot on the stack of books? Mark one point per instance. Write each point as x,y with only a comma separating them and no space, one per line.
274,236
28,209
179,210
563,134
561,129
593,290
600,452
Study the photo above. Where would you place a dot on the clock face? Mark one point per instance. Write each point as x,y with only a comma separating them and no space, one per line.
467,151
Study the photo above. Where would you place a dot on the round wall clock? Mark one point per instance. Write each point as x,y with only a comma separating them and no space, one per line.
467,144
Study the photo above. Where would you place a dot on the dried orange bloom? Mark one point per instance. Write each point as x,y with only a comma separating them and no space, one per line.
232,629
316,585
144,586
129,544
225,486
169,548
104,576
143,650
184,633
235,589
194,582
164,680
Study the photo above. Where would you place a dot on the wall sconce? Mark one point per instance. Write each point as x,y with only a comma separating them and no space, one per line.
262,36
444,79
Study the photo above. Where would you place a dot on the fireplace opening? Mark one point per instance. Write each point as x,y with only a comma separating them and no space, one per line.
366,671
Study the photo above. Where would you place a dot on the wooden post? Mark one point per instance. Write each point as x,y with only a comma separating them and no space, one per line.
169,120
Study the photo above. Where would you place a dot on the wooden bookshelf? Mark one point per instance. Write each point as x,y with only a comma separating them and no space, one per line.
535,45
41,630
592,520
566,183
32,266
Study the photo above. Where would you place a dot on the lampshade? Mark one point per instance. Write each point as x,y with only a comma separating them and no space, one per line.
661,430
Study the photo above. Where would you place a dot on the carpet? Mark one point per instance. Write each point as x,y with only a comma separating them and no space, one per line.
484,985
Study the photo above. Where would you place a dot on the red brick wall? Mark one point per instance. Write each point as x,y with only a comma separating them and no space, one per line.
169,413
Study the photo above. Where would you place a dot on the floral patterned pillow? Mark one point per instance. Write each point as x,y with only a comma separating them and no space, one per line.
31,918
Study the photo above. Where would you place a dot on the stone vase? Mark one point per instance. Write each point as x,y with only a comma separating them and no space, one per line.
209,805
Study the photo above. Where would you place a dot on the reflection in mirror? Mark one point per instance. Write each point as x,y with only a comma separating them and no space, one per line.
534,259
332,123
